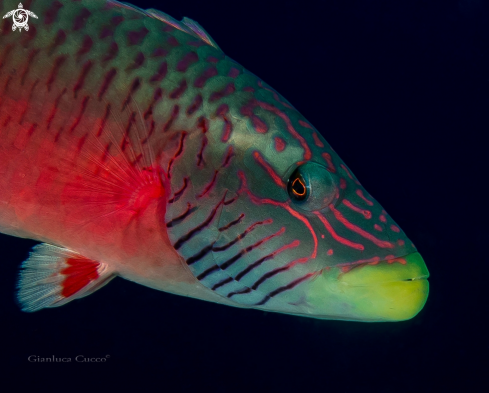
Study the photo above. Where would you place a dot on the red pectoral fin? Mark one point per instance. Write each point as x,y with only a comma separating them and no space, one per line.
53,276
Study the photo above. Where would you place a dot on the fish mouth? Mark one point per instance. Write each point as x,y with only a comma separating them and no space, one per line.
391,290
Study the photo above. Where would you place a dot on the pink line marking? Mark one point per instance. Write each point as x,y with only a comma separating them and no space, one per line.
307,125
265,165
339,239
367,214
275,95
360,231
327,158
317,141
360,194
290,128
285,206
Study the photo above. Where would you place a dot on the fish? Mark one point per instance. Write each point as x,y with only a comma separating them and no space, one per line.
131,146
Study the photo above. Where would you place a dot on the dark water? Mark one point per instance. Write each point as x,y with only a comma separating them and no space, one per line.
400,90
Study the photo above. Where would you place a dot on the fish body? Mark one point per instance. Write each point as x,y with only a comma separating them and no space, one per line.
132,146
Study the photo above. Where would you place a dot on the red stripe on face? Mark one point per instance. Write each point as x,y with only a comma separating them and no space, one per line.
347,266
360,231
327,158
335,236
349,174
292,212
265,165
317,141
367,214
368,202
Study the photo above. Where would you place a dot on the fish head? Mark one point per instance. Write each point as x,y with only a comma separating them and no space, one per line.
283,225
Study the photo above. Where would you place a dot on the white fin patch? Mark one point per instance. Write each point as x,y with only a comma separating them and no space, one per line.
53,276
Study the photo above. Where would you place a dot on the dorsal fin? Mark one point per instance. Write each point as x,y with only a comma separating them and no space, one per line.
187,25
199,30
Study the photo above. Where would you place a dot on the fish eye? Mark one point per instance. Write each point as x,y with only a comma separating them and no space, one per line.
312,187
297,187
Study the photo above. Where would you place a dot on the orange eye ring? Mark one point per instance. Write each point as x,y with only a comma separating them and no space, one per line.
297,187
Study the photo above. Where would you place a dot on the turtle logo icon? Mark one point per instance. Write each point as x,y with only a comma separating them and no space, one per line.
20,17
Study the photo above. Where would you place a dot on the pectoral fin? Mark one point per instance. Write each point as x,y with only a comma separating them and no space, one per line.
53,276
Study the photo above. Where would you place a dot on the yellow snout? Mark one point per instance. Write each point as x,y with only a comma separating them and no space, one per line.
388,291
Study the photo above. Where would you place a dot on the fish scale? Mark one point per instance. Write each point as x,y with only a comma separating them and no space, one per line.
132,139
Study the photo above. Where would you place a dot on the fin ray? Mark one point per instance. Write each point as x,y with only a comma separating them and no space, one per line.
53,276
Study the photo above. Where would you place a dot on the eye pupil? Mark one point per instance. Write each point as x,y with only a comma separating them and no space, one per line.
298,189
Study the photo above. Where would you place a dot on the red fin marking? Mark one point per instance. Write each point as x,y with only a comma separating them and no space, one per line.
85,46
227,129
229,155
161,73
112,52
159,52
152,127
81,142
207,74
55,108
58,41
176,93
109,77
7,83
81,271
138,62
174,115
57,65
178,194
189,59
136,84
81,19
137,37
7,26
6,53
104,120
79,117
177,153
51,14
209,186
233,72
81,78
125,138
196,104
227,90
30,60
200,154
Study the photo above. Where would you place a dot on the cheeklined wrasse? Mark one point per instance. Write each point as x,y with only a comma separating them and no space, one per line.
132,146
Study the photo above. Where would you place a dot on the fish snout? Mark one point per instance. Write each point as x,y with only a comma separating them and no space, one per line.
393,290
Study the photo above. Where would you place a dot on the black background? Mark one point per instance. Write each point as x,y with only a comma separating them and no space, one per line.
400,89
